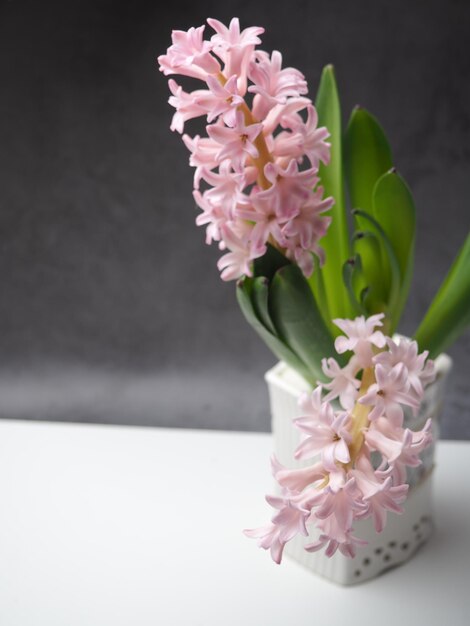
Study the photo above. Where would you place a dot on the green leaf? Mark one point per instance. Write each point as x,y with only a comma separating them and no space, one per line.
394,209
317,285
269,263
297,319
367,246
389,263
259,298
336,241
367,157
449,314
354,281
281,351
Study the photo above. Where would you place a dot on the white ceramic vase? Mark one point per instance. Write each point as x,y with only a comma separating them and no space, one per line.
404,533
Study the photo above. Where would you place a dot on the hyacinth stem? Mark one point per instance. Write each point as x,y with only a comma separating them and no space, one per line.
264,156
260,143
359,416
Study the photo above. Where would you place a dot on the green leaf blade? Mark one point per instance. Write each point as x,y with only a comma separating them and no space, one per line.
353,279
259,298
394,209
269,263
367,247
367,157
297,319
389,267
449,313
336,241
280,350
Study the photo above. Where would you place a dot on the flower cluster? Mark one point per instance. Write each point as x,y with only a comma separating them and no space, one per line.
256,177
359,448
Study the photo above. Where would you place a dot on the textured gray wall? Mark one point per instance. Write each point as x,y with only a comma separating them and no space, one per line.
111,307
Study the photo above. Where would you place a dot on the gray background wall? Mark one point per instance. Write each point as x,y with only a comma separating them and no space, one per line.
111,308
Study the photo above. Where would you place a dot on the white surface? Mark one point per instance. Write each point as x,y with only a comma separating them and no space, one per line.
111,526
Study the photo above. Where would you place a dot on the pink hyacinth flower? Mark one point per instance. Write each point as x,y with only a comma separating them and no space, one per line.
236,262
361,336
420,370
203,152
338,506
185,104
276,202
220,100
237,142
269,538
190,55
311,403
272,83
378,492
235,47
398,445
227,187
267,224
344,383
289,187
291,519
327,434
314,145
387,395
344,541
281,114
212,216
296,480
342,486
303,231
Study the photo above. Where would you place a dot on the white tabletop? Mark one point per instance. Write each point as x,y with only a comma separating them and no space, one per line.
120,526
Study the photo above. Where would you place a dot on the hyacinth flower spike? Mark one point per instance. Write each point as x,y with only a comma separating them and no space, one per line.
342,485
257,138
